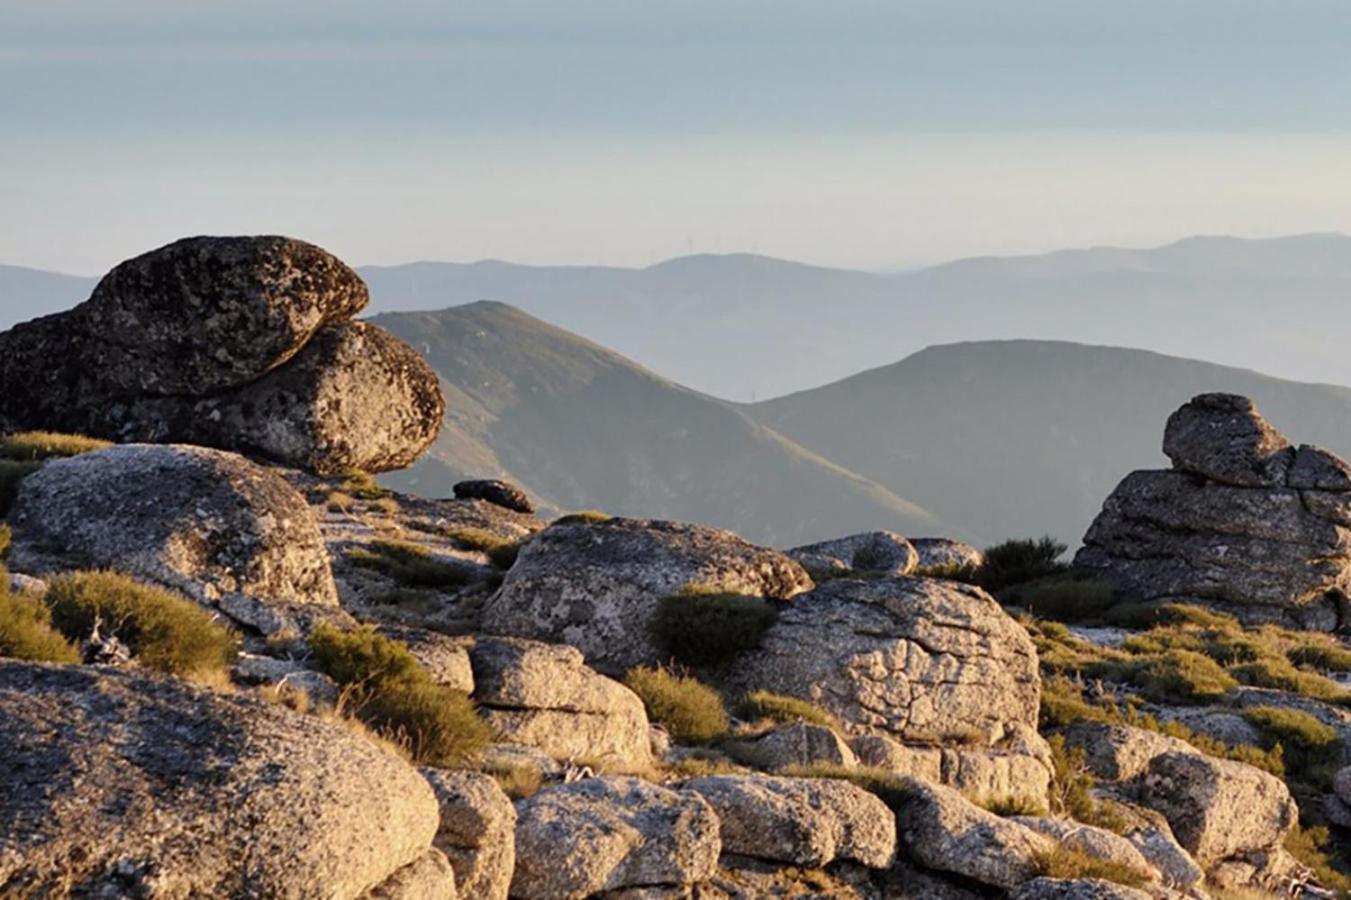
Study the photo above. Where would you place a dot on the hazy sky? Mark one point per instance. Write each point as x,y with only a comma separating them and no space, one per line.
601,131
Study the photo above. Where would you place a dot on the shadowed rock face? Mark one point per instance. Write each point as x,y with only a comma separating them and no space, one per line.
119,784
243,343
1245,520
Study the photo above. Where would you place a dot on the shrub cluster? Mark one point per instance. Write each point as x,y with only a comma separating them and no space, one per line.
1017,561
700,628
690,710
409,564
385,687
164,630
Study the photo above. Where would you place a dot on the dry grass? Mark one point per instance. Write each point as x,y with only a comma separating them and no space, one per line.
582,517
788,710
1066,862
42,445
691,711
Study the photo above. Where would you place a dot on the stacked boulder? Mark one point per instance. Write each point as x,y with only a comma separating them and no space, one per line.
1244,520
240,343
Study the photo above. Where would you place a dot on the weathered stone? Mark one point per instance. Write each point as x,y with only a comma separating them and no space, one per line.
543,695
597,586
1096,843
1317,469
499,493
1120,752
943,553
801,821
1014,771
429,877
1149,832
445,658
1224,438
1218,808
942,830
477,832
919,658
873,551
801,744
204,522
607,834
1075,889
130,785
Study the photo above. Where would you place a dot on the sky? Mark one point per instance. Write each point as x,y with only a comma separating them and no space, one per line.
858,134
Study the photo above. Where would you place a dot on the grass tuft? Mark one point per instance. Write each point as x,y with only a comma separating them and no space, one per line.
889,787
26,628
36,446
501,552
788,710
163,629
690,710
408,564
582,517
1069,863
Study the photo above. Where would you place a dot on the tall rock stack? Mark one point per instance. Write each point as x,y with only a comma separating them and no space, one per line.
1243,520
241,343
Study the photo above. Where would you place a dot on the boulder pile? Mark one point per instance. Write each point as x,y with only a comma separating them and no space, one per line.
1243,520
241,343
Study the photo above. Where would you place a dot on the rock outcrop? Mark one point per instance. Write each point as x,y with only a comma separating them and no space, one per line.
596,586
799,821
945,553
544,696
917,658
612,833
211,524
120,784
880,552
1244,520
242,343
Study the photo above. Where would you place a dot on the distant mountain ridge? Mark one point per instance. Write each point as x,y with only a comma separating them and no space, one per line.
582,427
748,327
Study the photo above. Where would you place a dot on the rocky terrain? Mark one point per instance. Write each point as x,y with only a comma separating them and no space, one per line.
234,665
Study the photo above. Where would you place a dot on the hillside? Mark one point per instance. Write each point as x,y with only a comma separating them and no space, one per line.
743,326
29,293
583,427
1012,438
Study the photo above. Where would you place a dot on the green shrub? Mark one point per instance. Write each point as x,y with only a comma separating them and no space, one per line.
582,517
1310,749
1017,561
1177,676
1012,806
26,628
42,445
690,710
1072,597
164,630
1278,672
385,687
408,564
11,473
501,552
780,708
1067,862
705,628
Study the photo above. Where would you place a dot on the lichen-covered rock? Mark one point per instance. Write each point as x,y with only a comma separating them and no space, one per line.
596,586
802,821
800,744
429,877
883,552
944,553
118,783
241,343
477,832
1075,889
497,492
942,830
919,658
1219,808
607,834
208,523
1245,521
543,695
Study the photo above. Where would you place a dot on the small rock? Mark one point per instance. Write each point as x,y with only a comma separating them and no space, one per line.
1225,438
499,493
943,553
873,551
801,744
477,833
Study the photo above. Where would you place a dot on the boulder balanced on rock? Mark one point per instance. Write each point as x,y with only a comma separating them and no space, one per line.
242,343
1244,519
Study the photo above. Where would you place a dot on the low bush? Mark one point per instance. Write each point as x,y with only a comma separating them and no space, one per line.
385,687
409,564
690,710
779,708
11,473
1071,597
1177,676
26,628
501,552
1310,749
1017,561
700,628
164,630
582,517
42,445
1279,672
1068,863
1012,806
